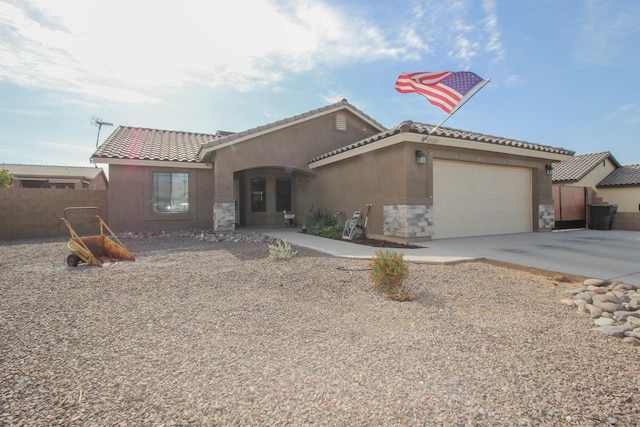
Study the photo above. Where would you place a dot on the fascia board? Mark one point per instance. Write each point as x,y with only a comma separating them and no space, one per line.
440,141
494,148
152,163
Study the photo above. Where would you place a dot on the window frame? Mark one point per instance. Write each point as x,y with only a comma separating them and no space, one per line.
151,214
280,207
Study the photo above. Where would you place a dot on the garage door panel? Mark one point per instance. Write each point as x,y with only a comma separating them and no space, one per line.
475,200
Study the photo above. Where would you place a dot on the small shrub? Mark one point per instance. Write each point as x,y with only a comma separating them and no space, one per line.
281,250
328,231
389,271
6,178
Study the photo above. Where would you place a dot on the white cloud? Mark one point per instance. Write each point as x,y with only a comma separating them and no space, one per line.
607,32
513,80
135,50
491,26
125,50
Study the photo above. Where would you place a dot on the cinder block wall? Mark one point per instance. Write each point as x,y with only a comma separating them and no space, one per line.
35,212
626,221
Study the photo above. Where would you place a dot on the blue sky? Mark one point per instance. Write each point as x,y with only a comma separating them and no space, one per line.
563,72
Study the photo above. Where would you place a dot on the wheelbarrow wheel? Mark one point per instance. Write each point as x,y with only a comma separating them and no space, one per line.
73,260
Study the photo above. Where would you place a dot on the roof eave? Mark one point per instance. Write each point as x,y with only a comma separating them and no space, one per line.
152,163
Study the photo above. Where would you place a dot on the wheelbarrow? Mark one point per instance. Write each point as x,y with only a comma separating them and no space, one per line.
93,249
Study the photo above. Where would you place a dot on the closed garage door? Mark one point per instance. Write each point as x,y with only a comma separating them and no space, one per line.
471,199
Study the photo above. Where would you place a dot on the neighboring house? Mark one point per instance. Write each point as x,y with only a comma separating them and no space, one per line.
622,188
596,179
453,183
57,177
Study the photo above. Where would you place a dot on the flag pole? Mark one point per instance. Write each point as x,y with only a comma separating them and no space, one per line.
464,101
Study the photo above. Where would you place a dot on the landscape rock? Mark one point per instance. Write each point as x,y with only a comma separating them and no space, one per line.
623,315
614,308
633,322
610,307
613,331
596,282
603,321
608,297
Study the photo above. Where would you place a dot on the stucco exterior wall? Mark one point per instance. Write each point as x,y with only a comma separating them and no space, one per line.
282,153
628,200
390,178
130,200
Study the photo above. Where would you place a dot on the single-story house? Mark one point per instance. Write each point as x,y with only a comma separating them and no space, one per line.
596,179
451,183
57,177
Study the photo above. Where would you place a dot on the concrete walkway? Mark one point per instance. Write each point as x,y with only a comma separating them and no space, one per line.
613,254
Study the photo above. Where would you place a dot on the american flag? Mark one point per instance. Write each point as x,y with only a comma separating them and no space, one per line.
444,88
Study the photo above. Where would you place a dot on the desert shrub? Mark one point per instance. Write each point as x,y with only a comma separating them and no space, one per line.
388,270
319,219
327,231
6,178
281,250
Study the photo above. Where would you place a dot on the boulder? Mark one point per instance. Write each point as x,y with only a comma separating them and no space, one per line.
595,282
603,321
609,307
613,331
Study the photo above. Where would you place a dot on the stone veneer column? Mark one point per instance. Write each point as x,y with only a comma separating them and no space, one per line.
407,221
546,217
224,216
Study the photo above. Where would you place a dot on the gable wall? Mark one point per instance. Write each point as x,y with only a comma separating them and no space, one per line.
294,145
600,172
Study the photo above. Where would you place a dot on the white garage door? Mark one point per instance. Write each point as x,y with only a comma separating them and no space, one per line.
471,199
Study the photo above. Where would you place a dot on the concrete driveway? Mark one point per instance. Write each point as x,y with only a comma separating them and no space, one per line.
599,254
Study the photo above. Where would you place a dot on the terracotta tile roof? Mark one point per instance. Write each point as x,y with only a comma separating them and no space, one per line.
578,167
623,176
424,129
152,144
34,171
343,103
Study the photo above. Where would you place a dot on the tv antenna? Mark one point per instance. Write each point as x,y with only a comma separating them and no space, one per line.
95,121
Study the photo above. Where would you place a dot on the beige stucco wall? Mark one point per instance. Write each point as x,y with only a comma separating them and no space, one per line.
130,200
627,198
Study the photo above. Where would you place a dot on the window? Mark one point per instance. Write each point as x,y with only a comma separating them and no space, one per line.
171,192
258,195
283,194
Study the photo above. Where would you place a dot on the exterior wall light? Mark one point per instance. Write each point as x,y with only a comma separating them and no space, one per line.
421,158
548,169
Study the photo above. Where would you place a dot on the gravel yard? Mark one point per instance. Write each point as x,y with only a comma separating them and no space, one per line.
206,333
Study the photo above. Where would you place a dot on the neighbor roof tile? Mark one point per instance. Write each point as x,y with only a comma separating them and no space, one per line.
623,176
578,167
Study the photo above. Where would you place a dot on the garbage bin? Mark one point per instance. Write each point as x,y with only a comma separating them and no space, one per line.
602,216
